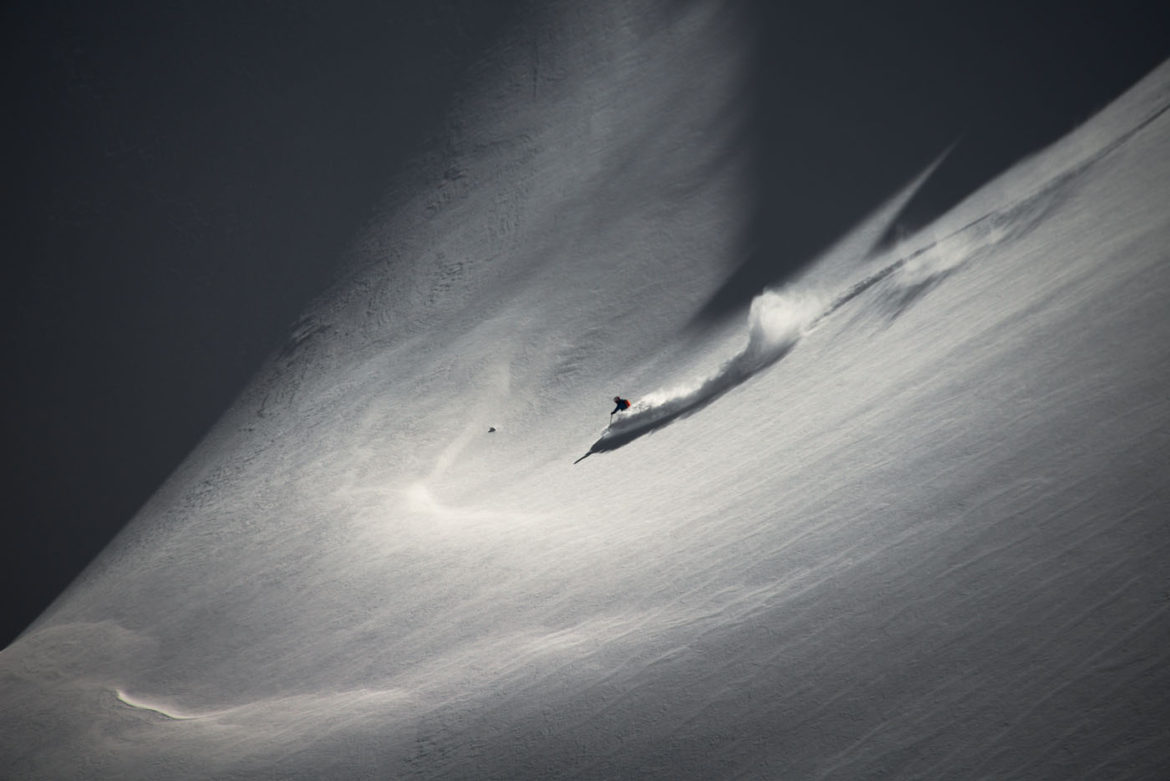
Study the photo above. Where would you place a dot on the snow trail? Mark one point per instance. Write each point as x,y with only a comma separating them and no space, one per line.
776,322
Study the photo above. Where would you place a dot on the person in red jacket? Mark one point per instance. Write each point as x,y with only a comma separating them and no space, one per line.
621,404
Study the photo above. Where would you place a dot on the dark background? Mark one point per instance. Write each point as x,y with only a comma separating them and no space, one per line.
181,179
855,99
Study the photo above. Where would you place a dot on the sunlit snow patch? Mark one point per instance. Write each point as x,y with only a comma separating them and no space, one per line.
168,712
776,322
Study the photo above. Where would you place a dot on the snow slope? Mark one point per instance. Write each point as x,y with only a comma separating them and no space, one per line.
906,518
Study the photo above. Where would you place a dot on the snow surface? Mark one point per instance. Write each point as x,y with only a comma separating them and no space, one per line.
906,518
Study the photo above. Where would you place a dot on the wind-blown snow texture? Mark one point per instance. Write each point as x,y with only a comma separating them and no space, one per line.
906,518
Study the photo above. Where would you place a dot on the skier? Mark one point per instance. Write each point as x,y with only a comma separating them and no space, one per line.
621,404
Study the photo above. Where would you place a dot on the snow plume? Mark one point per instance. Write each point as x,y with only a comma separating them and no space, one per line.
776,322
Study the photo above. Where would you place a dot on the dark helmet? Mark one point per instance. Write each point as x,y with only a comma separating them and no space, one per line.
617,398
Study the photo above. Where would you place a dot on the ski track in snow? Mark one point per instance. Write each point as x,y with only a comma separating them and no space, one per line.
779,318
776,322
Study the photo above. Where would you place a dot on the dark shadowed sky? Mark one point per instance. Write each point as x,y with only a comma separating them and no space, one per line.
182,177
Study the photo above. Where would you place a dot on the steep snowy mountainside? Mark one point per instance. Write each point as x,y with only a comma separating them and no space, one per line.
906,517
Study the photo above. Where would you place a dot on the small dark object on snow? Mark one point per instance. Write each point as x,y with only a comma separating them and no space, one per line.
491,429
